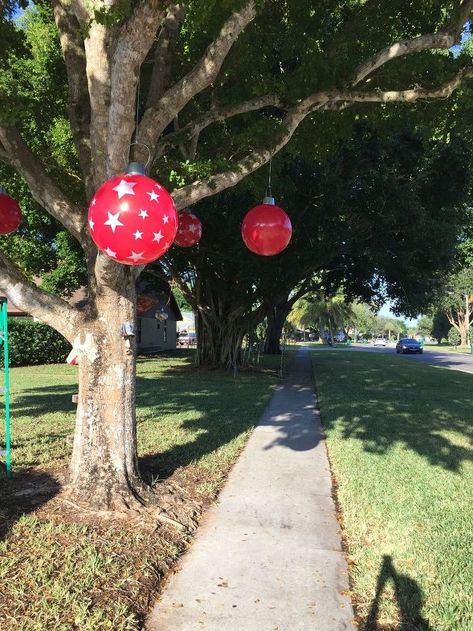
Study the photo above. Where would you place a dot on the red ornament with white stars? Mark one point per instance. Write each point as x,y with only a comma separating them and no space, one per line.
10,214
189,230
132,218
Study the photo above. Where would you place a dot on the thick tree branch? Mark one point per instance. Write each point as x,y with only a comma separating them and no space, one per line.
37,302
443,39
163,54
134,41
198,190
97,48
43,188
216,115
160,115
79,104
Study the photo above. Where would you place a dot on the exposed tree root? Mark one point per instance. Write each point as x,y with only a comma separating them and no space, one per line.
165,504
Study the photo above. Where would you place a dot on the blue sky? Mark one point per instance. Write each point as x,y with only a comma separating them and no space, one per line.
386,312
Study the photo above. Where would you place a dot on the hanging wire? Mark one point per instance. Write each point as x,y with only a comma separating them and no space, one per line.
137,113
268,189
136,141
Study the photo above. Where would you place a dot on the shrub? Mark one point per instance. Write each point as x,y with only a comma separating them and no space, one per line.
33,343
454,337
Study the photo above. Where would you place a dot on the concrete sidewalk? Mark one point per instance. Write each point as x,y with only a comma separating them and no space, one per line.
268,556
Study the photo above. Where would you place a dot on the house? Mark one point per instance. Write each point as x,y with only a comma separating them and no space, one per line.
157,314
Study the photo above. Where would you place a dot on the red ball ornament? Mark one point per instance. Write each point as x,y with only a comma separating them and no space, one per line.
10,214
132,218
189,230
266,228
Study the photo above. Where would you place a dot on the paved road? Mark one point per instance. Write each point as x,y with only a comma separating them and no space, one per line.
445,359
268,555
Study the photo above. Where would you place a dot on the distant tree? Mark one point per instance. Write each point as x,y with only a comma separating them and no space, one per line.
425,325
440,326
362,320
457,302
327,314
454,337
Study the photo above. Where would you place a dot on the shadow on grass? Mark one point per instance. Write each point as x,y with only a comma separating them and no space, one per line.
409,600
191,413
214,411
383,401
24,493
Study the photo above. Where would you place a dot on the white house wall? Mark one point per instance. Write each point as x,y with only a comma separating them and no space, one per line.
153,331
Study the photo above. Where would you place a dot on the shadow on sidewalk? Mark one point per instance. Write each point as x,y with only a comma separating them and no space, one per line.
409,599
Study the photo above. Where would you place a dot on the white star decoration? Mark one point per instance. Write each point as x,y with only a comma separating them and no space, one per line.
138,234
91,224
143,214
192,227
110,253
157,236
94,201
136,256
165,218
113,220
153,197
124,188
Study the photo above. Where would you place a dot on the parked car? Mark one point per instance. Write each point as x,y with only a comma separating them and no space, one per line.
186,339
380,341
409,345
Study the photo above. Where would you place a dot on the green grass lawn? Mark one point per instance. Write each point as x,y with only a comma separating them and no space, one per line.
58,576
399,437
447,347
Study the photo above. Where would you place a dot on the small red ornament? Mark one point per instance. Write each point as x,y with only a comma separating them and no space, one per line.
132,218
266,228
10,214
189,230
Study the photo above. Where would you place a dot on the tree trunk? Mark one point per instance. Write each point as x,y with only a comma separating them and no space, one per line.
104,467
276,319
219,342
459,321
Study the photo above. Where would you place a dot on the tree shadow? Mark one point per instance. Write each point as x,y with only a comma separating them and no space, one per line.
46,400
298,428
206,409
24,493
409,599
215,421
390,402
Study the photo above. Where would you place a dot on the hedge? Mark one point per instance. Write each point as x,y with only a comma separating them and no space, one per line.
33,343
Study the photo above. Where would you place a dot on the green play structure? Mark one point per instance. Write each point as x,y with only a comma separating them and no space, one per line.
6,453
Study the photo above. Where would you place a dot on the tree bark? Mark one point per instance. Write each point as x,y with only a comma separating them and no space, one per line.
219,341
458,319
104,466
276,319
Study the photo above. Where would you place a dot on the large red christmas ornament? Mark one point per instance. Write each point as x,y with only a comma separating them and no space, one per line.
189,230
10,214
266,229
132,218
